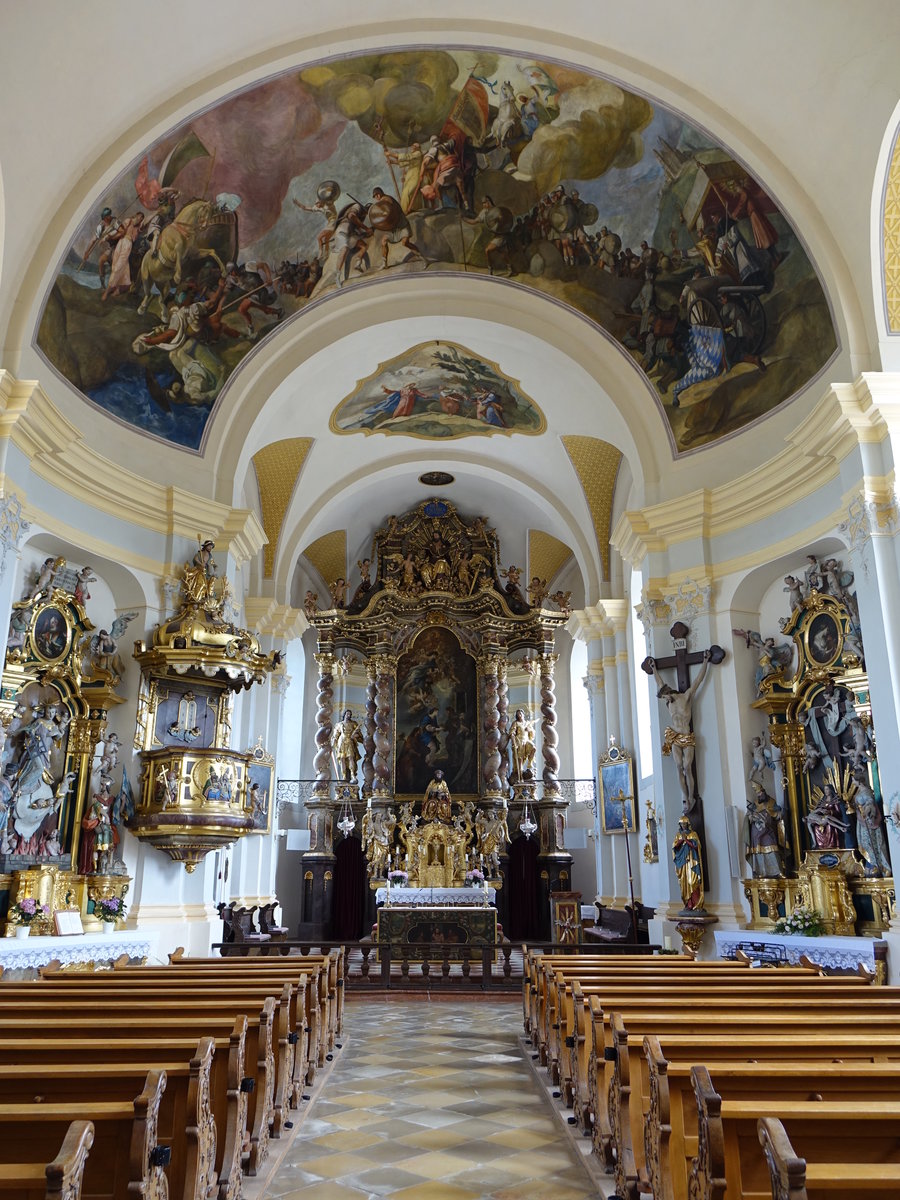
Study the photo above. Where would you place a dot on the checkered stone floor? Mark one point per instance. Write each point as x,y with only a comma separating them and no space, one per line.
431,1101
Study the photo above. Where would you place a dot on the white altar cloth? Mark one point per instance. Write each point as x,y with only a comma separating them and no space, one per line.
843,953
20,953
470,897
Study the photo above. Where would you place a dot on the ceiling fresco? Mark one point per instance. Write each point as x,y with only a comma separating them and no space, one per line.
433,161
438,390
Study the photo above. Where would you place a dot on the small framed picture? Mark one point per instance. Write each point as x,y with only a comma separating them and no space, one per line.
51,633
617,809
260,786
823,639
67,922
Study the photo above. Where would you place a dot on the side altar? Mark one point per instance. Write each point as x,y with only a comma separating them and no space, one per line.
438,774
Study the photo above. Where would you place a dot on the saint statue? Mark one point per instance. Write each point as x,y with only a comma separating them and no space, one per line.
346,739
436,802
521,739
686,854
825,820
764,835
870,829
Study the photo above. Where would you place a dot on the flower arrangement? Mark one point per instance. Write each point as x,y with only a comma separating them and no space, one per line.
803,921
398,878
110,908
475,877
28,910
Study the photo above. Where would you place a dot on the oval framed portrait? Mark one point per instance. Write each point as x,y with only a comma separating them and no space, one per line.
823,639
51,634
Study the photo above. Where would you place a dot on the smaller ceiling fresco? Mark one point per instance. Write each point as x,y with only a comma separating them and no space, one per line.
438,390
456,160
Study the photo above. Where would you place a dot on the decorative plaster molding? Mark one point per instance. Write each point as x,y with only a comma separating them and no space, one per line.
690,599
57,452
871,513
280,684
603,619
652,610
265,616
12,526
848,415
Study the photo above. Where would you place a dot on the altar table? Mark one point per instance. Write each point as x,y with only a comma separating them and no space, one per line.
18,954
456,927
413,897
841,953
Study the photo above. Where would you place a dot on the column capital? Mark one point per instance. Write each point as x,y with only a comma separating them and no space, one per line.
603,619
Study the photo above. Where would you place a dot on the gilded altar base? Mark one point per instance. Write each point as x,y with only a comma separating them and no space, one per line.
63,891
849,903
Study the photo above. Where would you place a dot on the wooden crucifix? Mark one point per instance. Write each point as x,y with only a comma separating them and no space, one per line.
679,739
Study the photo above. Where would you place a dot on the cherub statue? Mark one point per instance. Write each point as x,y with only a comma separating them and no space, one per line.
109,760
512,575
562,600
311,603
47,570
794,588
811,758
81,585
365,569
104,646
761,759
537,590
338,591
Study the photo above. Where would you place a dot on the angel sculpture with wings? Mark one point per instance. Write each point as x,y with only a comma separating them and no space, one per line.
104,646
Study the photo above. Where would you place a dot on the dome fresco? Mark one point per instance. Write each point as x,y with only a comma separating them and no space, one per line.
433,161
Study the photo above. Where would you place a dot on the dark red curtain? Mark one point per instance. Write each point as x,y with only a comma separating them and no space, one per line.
349,890
524,890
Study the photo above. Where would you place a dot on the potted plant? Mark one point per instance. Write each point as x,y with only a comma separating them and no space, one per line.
475,878
398,878
109,909
24,912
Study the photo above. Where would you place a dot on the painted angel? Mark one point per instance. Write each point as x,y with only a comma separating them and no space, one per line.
104,646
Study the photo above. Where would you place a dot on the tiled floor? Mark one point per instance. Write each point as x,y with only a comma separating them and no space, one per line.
431,1101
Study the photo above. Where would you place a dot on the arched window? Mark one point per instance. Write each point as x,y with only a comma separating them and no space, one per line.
582,740
641,684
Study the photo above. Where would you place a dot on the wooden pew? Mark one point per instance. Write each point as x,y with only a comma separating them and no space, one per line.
290,1032
567,1007
330,984
224,1099
59,1180
617,1132
257,1085
793,1178
185,1121
670,1128
728,1160
574,1045
125,1159
315,1045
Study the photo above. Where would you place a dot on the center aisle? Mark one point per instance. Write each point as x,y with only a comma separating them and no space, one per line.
431,1100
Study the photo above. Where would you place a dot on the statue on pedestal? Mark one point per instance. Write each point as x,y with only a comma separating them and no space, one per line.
825,820
521,739
870,829
686,855
346,742
764,835
436,803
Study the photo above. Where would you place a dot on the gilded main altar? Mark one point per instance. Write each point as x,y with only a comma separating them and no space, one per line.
437,624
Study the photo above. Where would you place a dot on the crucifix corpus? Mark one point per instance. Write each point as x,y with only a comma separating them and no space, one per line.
679,738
